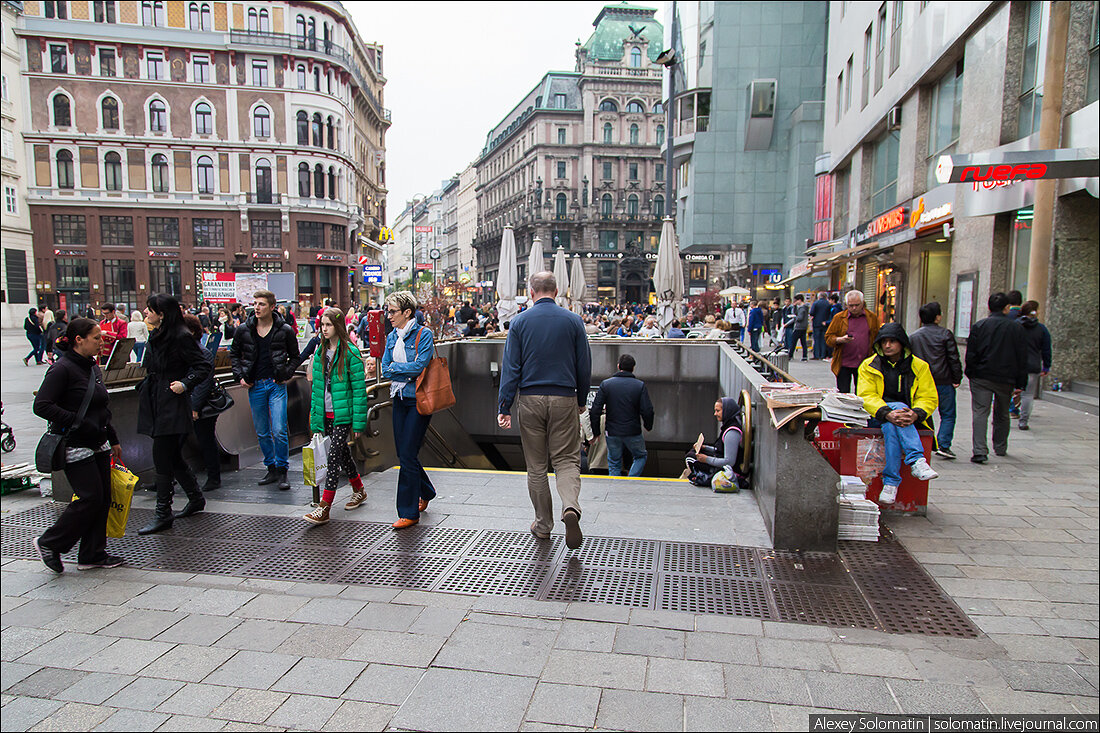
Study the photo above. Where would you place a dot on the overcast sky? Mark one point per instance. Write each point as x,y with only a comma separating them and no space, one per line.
454,69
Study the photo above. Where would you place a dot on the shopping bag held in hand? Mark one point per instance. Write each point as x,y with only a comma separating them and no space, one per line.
315,460
433,386
123,483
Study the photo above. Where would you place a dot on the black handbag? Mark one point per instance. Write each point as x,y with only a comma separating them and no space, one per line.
49,456
218,402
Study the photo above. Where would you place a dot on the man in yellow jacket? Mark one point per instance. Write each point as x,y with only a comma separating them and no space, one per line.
899,392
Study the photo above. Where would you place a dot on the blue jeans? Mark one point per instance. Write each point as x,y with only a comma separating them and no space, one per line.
754,340
268,402
38,347
820,349
633,443
899,443
413,484
946,432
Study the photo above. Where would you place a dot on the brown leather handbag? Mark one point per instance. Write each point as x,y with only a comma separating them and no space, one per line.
433,386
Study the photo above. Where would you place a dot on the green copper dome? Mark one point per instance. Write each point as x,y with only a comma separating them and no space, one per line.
615,24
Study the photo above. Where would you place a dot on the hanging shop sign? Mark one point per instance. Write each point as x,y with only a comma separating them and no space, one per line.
893,220
934,209
1018,165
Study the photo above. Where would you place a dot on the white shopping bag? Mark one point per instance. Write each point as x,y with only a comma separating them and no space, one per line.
315,460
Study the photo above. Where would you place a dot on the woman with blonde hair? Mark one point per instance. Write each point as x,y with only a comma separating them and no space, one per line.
338,408
137,330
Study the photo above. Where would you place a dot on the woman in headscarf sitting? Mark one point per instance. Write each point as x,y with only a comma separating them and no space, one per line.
727,451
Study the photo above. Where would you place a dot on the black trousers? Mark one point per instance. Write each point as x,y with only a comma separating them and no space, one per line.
208,444
847,378
85,518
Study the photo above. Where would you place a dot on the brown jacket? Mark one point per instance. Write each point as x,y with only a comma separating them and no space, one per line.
839,327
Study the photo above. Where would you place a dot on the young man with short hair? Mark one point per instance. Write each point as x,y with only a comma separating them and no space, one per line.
626,400
936,345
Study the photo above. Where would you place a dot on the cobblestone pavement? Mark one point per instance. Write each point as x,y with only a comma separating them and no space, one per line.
1013,542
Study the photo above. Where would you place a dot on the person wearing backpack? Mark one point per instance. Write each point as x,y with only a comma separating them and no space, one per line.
338,408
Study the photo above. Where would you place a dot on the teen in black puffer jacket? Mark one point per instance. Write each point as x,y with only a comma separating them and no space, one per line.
284,350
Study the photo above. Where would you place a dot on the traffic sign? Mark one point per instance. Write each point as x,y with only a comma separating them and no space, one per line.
363,259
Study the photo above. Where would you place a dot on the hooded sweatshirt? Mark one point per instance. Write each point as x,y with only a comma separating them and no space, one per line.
906,379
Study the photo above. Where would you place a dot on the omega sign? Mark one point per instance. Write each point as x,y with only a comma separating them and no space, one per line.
888,222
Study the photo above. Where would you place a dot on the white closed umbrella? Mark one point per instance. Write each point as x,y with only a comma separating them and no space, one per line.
506,278
668,276
577,285
534,261
561,274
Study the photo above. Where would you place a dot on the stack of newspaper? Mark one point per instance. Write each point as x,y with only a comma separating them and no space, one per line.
843,408
858,517
789,394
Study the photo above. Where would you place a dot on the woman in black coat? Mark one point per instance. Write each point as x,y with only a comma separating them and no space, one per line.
32,324
174,365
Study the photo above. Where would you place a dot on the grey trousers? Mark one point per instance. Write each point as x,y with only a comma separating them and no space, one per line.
1027,399
551,434
983,395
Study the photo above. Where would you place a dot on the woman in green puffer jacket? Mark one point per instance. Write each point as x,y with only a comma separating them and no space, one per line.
338,407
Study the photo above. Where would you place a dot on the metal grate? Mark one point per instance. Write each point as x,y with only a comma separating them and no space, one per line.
41,515
610,552
428,540
810,567
575,582
515,546
203,524
687,558
260,529
139,551
305,564
809,603
702,594
496,577
934,619
206,556
350,535
403,571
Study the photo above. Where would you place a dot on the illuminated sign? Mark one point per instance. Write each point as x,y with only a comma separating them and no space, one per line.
1002,172
922,217
426,230
1002,165
884,224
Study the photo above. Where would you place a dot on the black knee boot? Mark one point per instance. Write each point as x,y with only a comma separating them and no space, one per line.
162,520
196,502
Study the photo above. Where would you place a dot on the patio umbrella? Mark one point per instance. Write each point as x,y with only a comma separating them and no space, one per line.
668,276
734,291
506,278
561,274
577,285
535,263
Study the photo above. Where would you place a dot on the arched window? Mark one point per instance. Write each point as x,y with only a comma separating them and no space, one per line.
62,111
331,182
263,181
303,128
303,180
152,13
316,78
632,205
660,134
204,167
65,169
658,108
158,116
160,173
112,171
301,76
204,119
253,20
261,122
330,129
658,206
318,131
312,33
265,21
635,58
633,134
607,132
193,19
635,108
205,15
608,105
605,204
300,28
109,107
319,181
560,205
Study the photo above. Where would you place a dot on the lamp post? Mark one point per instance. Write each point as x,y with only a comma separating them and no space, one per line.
668,60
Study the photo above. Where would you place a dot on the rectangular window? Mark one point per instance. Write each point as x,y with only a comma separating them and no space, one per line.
103,11
69,229
207,233
559,238
895,37
11,200
266,234
164,231
607,171
267,267
839,95
311,235
559,101
202,266
946,113
880,47
867,51
609,241
632,169
59,59
659,172
72,273
607,275
259,73
201,69
840,202
561,169
884,174
561,136
116,231
337,237
848,71
8,143
15,262
106,62
164,277
154,65
1031,102
120,283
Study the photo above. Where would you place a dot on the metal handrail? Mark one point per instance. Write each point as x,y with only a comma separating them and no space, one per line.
772,367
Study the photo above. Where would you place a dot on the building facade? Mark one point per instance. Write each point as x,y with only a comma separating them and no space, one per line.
174,138
18,274
908,83
466,215
748,124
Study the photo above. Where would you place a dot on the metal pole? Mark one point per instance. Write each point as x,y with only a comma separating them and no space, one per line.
670,118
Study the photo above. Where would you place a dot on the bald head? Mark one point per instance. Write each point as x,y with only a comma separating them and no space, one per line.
543,284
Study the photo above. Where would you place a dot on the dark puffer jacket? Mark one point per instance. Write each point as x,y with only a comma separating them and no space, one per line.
284,349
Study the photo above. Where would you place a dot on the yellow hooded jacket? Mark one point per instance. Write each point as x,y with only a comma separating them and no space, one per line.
917,380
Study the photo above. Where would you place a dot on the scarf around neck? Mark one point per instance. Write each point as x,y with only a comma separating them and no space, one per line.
399,356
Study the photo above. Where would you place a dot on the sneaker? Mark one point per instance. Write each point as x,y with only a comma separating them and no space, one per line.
922,471
318,515
357,498
946,453
51,558
1023,426
572,520
108,561
888,495
979,459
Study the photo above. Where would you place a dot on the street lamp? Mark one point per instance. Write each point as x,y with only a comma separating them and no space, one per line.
667,59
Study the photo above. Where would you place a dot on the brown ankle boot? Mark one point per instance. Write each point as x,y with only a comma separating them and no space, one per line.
318,515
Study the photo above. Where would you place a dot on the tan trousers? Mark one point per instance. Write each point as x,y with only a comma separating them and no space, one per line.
551,434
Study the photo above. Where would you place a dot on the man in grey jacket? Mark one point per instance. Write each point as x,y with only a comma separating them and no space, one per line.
798,325
936,345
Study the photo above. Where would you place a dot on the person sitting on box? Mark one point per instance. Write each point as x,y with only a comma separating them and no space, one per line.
898,391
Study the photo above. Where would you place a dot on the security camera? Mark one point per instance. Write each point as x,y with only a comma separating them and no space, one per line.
667,57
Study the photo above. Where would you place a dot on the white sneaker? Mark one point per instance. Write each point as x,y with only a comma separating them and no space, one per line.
888,495
922,471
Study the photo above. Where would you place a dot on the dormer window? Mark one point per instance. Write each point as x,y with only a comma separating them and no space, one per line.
635,58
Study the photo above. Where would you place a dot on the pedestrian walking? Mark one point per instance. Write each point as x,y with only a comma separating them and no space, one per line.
338,409
264,355
139,332
546,374
73,387
850,335
174,366
820,316
798,327
756,325
205,424
55,331
626,400
32,326
1039,358
996,365
936,345
409,348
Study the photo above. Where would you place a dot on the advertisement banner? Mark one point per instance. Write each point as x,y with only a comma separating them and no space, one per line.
238,287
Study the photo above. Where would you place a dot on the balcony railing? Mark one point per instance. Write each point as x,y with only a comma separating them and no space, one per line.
264,197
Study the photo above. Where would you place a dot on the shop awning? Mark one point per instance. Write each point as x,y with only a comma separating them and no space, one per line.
996,165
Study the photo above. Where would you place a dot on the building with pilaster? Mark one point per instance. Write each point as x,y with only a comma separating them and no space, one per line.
18,275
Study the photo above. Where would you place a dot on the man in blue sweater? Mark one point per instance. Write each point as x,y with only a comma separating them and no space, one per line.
756,325
547,371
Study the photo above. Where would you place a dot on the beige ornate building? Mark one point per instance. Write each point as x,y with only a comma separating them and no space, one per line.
15,223
172,138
